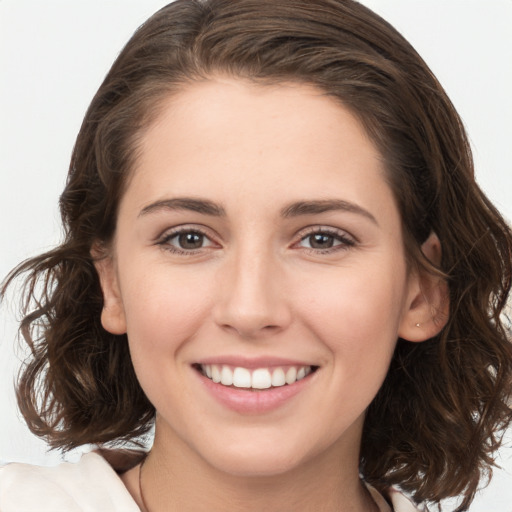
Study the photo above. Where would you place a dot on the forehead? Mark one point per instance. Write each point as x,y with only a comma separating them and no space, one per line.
282,142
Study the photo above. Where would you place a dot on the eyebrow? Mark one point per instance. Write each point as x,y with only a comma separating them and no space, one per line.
206,207
327,205
185,203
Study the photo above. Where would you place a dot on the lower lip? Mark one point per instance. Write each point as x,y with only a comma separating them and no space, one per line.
244,401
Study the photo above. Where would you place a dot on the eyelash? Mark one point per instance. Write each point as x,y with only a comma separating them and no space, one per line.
165,240
345,241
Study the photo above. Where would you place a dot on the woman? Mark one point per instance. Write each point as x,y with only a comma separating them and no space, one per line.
277,251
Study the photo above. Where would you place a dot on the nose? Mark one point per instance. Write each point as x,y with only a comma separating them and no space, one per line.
253,301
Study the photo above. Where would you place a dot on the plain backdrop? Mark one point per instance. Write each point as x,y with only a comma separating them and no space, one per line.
53,56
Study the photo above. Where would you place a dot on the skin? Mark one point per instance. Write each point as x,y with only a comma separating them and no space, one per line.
259,286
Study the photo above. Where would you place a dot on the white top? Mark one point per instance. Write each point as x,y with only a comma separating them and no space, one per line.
91,485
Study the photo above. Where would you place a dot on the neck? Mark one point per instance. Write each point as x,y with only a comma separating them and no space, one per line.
182,481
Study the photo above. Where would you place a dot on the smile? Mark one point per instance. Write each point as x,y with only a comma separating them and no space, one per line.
259,378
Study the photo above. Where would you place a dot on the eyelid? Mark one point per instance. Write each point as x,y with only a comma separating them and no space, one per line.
347,239
323,228
180,228
169,233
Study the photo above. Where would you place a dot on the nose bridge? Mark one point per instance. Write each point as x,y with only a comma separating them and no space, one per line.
253,301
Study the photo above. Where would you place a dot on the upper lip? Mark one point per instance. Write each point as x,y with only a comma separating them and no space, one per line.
252,362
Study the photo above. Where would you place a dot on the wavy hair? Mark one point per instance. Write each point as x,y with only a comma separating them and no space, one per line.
439,416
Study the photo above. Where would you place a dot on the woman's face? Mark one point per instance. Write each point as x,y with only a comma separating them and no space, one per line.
259,242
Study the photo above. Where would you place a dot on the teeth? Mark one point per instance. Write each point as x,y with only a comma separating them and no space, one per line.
291,375
278,377
226,376
241,377
261,378
215,373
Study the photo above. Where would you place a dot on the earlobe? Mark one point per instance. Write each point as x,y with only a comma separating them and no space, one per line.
428,302
112,316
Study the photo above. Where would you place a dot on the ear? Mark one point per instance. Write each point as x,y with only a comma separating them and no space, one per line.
112,316
428,306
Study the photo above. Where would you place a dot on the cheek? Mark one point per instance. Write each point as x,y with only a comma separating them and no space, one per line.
163,310
358,315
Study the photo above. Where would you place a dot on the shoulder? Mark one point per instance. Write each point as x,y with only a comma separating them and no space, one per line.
401,503
394,498
90,485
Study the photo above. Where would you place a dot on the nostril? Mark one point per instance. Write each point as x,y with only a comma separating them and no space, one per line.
249,330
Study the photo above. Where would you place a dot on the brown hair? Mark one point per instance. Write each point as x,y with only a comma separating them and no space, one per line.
434,425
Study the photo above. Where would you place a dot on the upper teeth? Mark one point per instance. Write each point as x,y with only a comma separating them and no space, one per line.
261,378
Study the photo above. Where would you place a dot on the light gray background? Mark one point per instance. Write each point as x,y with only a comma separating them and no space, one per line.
53,56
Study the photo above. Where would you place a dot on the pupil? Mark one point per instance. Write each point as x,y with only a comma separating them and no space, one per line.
320,241
191,240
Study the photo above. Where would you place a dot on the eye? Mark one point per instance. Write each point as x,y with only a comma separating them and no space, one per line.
326,240
190,240
185,240
320,241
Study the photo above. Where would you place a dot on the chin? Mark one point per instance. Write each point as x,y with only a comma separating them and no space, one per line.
257,466
256,459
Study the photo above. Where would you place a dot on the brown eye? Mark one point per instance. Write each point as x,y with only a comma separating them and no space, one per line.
190,240
185,240
326,240
321,241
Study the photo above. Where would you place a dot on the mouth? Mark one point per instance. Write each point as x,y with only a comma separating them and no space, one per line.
254,379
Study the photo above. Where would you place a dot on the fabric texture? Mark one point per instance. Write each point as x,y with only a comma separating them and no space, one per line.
91,485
